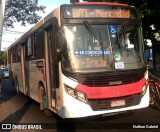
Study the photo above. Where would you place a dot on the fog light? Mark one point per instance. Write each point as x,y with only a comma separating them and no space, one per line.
81,96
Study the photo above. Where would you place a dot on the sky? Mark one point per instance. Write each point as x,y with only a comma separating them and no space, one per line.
9,37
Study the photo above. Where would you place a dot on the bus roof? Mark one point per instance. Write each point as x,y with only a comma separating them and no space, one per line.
100,3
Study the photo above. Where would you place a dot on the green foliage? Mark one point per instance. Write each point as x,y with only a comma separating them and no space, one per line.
24,11
150,13
3,57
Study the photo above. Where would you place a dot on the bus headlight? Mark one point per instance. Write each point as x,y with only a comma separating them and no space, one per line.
76,94
81,96
70,91
144,89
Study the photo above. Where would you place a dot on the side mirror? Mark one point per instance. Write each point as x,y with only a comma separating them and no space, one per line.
58,50
58,55
148,65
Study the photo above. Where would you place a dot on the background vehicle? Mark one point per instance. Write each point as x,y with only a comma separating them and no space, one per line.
83,59
1,74
2,69
5,72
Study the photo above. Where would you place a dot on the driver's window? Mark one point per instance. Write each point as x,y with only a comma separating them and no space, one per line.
128,44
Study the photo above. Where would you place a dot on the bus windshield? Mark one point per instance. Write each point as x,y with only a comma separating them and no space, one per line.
99,48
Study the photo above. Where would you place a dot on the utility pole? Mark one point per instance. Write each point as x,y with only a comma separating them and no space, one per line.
2,10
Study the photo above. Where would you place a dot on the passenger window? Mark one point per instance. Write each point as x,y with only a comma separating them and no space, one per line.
29,47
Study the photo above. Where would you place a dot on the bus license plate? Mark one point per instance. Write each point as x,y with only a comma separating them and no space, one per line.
118,103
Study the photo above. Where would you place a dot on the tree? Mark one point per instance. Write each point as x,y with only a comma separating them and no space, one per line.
150,12
3,57
24,11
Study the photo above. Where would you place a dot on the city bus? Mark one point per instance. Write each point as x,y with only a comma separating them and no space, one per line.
83,59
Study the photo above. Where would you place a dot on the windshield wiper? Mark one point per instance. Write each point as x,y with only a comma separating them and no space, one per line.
93,34
91,31
101,43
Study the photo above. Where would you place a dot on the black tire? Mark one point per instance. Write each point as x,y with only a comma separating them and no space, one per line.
48,113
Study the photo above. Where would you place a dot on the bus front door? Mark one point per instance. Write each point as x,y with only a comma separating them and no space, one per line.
50,66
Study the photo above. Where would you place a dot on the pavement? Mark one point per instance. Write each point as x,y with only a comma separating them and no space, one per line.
18,109
7,102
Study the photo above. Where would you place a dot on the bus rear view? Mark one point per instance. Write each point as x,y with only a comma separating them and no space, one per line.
103,63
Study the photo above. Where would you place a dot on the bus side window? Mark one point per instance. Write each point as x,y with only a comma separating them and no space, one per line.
9,57
35,45
29,48
18,53
39,45
13,56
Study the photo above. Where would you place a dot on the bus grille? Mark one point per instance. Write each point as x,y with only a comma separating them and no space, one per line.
105,80
105,104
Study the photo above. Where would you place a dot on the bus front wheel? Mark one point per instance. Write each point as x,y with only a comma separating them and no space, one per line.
44,102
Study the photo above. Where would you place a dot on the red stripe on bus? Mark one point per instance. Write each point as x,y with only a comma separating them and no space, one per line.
111,91
100,3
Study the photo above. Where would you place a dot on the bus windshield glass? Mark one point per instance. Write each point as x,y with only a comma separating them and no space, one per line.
98,48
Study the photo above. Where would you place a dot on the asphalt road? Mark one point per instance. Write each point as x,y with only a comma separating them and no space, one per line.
23,110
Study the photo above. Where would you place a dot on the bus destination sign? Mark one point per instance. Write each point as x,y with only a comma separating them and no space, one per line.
79,12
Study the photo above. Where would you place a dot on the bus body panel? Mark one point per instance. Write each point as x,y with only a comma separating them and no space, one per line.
34,76
81,109
112,91
17,74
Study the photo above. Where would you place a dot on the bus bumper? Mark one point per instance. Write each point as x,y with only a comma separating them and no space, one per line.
74,108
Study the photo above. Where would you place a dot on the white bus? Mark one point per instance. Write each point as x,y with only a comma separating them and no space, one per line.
83,59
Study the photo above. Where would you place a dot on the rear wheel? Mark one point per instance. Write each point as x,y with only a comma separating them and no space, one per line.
44,103
48,113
